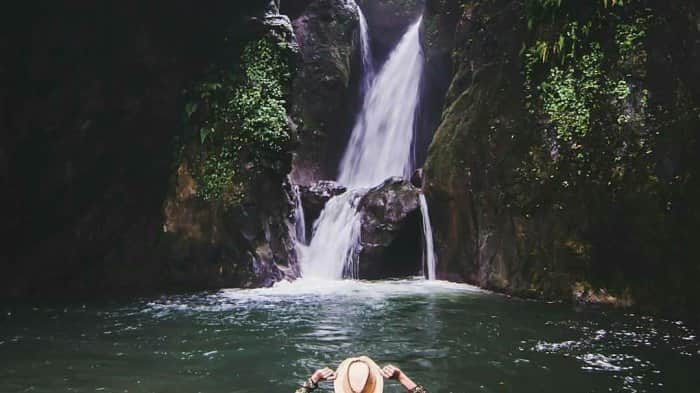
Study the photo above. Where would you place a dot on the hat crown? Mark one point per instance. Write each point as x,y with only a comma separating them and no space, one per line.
358,376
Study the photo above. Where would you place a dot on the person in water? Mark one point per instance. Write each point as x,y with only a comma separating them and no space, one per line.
359,375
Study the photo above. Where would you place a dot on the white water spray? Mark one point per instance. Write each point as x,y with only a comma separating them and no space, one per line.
379,148
428,246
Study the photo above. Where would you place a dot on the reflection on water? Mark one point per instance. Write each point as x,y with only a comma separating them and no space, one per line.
452,338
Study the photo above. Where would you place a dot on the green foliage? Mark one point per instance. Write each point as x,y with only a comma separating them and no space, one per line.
568,93
578,89
240,118
629,38
568,22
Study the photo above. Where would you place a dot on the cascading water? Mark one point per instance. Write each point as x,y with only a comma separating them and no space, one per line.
380,145
366,53
379,148
428,247
336,232
299,219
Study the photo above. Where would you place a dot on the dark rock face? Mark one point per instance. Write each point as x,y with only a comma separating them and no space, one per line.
324,93
390,240
498,228
247,245
417,178
294,8
474,234
314,198
438,42
249,240
90,107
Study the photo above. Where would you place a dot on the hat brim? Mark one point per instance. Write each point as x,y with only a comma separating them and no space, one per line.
341,383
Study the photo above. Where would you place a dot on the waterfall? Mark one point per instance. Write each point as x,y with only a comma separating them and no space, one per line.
299,219
331,252
428,247
379,148
366,54
380,145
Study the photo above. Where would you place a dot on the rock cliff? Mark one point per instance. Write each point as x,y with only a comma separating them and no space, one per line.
104,187
565,159
325,91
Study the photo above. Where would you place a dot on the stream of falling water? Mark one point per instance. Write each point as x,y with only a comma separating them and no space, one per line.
299,218
380,147
366,53
381,141
428,249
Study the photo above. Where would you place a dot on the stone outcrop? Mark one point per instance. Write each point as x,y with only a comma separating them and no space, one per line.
390,237
324,93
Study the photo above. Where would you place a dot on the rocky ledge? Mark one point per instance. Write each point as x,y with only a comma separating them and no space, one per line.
390,240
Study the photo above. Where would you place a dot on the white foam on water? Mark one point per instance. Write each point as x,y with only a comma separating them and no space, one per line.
355,288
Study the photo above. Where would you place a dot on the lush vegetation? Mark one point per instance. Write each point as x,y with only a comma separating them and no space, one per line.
239,119
587,94
599,150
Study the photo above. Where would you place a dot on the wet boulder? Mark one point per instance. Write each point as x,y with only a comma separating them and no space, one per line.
390,240
417,178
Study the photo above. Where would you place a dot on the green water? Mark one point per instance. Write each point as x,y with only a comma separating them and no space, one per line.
449,337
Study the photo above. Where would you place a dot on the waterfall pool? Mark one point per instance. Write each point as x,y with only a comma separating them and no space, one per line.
450,337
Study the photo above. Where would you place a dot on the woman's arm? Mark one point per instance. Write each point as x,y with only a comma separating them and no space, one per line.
395,373
311,384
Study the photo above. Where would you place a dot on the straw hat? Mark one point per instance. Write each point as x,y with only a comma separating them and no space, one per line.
358,375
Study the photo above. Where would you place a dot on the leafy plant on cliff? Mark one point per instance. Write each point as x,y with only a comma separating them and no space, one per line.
598,155
580,91
240,120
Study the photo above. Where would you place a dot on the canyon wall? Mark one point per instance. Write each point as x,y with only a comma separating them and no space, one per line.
566,159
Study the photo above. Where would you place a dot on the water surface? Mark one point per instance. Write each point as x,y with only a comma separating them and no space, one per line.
450,337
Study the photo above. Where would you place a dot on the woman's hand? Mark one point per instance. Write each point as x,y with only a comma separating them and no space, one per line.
392,372
324,374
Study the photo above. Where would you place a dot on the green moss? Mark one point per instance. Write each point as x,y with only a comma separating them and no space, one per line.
240,120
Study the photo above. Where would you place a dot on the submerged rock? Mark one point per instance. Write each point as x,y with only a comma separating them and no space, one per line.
390,240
